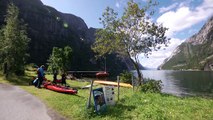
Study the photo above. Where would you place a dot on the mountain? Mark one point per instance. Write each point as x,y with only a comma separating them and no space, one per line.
50,28
195,53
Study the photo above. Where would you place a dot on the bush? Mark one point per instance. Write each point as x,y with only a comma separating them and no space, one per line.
31,67
152,86
126,77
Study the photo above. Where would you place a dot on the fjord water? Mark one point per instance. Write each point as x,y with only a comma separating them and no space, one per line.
183,83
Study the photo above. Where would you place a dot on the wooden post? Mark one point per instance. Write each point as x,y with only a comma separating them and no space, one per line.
90,94
118,80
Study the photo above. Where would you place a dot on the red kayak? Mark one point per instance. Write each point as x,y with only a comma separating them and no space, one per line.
58,81
102,74
59,88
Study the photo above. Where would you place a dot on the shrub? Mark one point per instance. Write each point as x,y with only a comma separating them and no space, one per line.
126,77
152,86
31,67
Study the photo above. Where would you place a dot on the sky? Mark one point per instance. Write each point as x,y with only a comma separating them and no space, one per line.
184,18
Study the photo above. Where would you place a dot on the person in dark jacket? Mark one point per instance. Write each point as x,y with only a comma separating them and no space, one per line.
55,76
63,79
40,73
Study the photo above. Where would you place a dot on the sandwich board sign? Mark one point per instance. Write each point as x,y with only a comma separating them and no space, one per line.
100,104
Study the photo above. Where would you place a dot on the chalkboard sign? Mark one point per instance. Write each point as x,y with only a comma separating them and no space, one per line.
100,104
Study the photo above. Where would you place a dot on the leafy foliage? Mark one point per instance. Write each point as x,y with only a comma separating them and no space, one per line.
126,77
152,86
131,35
13,43
60,59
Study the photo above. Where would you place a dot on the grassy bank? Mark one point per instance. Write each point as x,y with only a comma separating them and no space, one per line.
136,106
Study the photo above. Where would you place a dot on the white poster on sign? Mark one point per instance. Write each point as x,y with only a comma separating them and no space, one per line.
109,95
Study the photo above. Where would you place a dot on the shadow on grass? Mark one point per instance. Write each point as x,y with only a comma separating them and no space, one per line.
20,80
116,111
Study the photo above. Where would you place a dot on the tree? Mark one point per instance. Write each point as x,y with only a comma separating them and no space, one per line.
66,58
131,35
14,42
55,60
60,59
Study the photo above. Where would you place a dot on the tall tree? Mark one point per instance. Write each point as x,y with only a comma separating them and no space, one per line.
67,55
55,60
14,42
131,35
60,59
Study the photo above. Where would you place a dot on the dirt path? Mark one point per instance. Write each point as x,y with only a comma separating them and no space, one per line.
17,104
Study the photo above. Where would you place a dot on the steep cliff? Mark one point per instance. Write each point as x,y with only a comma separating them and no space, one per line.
195,53
50,28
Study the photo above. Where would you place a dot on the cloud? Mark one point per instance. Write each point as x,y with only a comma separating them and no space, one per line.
164,9
117,4
185,17
120,3
157,57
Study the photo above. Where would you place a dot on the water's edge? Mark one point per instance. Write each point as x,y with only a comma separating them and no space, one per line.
182,83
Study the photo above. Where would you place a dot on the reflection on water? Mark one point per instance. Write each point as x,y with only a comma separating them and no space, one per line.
183,82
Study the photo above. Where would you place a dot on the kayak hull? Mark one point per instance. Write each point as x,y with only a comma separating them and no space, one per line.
113,83
60,89
102,74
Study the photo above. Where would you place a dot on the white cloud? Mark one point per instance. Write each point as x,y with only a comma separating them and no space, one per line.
165,9
157,57
117,4
120,3
185,17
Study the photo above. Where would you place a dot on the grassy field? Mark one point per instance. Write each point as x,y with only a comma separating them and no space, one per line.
132,105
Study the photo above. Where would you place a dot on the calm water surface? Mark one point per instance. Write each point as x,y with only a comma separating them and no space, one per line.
183,83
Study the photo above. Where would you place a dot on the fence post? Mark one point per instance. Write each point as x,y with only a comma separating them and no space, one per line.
118,80
90,94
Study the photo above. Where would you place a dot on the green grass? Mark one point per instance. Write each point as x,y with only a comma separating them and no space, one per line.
132,105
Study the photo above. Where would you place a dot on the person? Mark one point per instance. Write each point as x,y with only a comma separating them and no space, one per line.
63,79
55,73
40,73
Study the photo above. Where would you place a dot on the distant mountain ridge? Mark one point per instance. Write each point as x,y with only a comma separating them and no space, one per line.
195,53
50,28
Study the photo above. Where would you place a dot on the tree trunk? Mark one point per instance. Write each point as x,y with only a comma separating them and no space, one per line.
140,78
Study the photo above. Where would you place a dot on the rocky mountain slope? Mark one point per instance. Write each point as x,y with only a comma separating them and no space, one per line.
50,28
195,53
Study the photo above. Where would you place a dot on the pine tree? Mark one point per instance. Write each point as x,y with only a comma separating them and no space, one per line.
14,43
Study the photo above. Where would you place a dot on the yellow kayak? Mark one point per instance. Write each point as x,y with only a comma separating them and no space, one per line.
113,83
